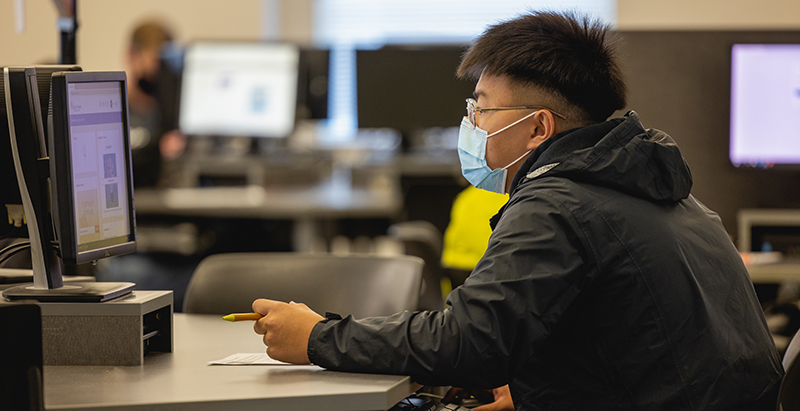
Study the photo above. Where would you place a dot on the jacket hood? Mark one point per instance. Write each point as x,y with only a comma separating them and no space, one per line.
619,154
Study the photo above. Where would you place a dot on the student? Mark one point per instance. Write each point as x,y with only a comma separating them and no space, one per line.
605,285
467,234
148,145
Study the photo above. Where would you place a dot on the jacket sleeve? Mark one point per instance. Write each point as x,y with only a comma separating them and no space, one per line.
532,271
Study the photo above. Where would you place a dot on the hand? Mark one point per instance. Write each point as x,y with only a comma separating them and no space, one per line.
502,401
172,144
498,399
286,329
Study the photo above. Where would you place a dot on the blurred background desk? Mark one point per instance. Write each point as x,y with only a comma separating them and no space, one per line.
307,206
787,271
182,380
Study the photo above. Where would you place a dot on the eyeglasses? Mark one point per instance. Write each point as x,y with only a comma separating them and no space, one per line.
473,109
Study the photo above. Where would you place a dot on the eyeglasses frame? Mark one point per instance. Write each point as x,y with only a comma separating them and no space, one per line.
472,109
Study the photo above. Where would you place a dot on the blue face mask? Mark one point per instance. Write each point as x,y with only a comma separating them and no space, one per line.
472,155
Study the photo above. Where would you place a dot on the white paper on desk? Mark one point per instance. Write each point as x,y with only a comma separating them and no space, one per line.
248,359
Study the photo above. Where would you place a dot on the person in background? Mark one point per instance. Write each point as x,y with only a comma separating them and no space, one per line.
148,145
605,285
467,234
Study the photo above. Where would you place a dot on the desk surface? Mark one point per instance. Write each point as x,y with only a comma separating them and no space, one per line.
183,381
775,273
323,200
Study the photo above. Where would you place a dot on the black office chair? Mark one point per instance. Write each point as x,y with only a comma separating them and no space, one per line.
422,239
21,357
362,285
789,396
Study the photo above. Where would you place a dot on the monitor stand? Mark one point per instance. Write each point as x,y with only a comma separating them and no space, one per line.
87,292
10,277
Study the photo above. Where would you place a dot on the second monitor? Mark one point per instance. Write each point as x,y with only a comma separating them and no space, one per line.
239,89
411,88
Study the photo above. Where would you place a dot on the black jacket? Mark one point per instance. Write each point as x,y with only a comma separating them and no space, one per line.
605,286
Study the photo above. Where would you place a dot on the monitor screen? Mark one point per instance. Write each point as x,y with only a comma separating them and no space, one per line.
312,88
98,164
765,105
411,87
239,89
91,149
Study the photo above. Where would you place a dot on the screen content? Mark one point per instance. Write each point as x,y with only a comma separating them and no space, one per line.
765,104
98,164
247,89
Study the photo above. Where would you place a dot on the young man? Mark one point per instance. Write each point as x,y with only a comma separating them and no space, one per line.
149,143
605,285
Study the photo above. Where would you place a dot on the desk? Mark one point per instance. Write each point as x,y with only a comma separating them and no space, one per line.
323,200
774,273
307,206
183,381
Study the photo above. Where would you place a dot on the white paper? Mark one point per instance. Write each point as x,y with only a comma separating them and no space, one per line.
248,359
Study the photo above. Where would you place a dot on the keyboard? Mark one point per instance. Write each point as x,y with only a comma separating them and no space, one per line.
414,403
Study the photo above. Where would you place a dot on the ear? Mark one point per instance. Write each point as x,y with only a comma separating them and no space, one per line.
542,128
131,57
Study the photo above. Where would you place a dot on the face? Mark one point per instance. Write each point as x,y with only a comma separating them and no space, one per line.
507,146
144,63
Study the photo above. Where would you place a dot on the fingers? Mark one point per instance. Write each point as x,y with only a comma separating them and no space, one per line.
502,401
264,306
285,329
300,305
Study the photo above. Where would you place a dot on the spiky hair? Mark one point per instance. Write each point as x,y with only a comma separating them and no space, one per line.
563,53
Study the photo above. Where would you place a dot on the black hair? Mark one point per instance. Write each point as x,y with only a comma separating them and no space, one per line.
563,53
149,34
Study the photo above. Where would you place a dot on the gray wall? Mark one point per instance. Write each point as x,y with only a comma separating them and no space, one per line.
679,82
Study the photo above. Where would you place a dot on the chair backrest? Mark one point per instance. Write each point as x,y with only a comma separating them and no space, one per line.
422,239
362,285
789,396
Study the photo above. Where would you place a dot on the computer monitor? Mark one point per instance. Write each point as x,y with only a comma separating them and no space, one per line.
411,88
239,89
765,105
91,166
27,146
9,189
77,188
312,87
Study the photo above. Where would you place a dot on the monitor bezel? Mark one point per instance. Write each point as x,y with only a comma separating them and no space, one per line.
61,168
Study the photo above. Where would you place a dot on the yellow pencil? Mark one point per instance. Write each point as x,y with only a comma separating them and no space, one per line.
242,317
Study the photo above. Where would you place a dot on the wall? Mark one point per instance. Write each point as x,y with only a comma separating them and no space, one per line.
707,14
104,26
679,82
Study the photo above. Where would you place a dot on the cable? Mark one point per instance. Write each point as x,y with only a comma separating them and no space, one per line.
23,243
13,249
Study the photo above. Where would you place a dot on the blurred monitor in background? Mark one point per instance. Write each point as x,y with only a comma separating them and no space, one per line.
239,89
410,89
312,84
150,140
765,105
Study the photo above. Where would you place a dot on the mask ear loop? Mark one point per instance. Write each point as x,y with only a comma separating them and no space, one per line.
513,124
517,160
506,128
